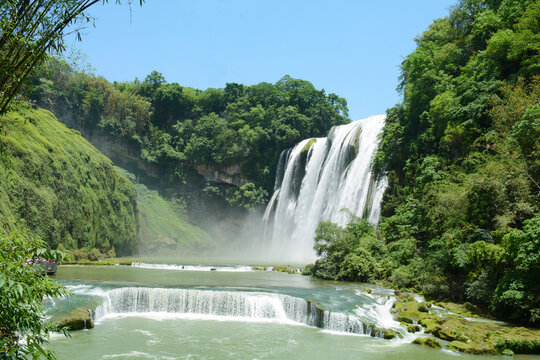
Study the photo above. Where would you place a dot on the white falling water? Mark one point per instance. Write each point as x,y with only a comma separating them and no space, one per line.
320,177
227,305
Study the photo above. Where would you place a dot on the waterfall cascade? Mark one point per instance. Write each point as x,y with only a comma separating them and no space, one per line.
229,305
318,178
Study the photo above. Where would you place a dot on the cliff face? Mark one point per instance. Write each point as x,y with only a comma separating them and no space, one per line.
229,175
207,210
56,185
127,155
121,152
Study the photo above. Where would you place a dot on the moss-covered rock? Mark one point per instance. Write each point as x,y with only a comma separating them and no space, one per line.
474,337
449,329
472,347
524,341
429,342
308,145
507,352
78,319
405,319
413,328
389,334
466,309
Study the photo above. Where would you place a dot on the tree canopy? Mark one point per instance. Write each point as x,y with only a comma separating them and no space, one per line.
29,32
461,154
173,127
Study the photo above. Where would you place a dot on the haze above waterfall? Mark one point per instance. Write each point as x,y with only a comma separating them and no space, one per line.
315,181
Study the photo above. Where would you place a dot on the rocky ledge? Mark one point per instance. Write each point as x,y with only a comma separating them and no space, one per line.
456,325
78,319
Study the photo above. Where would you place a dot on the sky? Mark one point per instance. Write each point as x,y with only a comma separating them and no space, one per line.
353,48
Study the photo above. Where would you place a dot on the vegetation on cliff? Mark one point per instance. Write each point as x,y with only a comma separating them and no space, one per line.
172,128
163,225
58,187
460,217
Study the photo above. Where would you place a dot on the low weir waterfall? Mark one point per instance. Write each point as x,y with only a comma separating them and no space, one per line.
316,180
229,305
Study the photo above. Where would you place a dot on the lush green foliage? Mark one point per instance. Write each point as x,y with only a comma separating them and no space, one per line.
28,30
462,157
353,253
60,188
163,224
462,154
22,291
172,127
247,196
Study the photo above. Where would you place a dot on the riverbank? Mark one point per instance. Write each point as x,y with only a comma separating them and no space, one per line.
462,330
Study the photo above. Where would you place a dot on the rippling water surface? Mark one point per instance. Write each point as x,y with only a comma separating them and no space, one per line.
202,312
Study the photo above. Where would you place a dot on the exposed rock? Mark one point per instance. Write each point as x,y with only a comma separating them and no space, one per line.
78,319
231,175
401,294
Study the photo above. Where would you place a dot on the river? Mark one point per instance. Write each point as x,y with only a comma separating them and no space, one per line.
181,311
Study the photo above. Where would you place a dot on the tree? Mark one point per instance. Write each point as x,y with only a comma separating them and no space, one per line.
22,290
29,30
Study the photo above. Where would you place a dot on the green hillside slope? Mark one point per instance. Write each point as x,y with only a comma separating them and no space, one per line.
163,226
56,185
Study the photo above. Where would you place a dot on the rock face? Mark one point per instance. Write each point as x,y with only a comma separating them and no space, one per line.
121,152
127,155
231,175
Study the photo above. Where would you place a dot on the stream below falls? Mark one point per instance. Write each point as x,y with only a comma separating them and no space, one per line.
187,311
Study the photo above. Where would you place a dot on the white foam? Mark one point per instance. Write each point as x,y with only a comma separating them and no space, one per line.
334,173
165,316
88,290
195,304
175,267
130,355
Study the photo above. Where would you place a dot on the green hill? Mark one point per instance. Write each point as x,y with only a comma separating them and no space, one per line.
56,185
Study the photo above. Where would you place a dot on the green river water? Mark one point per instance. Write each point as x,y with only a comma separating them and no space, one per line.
144,320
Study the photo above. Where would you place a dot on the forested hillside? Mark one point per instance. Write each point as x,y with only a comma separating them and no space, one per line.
171,130
57,186
460,217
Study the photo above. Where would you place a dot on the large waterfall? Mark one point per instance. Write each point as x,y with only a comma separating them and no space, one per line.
316,180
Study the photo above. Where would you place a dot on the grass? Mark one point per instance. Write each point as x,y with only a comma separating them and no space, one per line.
162,226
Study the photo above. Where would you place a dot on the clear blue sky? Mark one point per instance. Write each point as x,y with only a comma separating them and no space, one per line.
350,47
